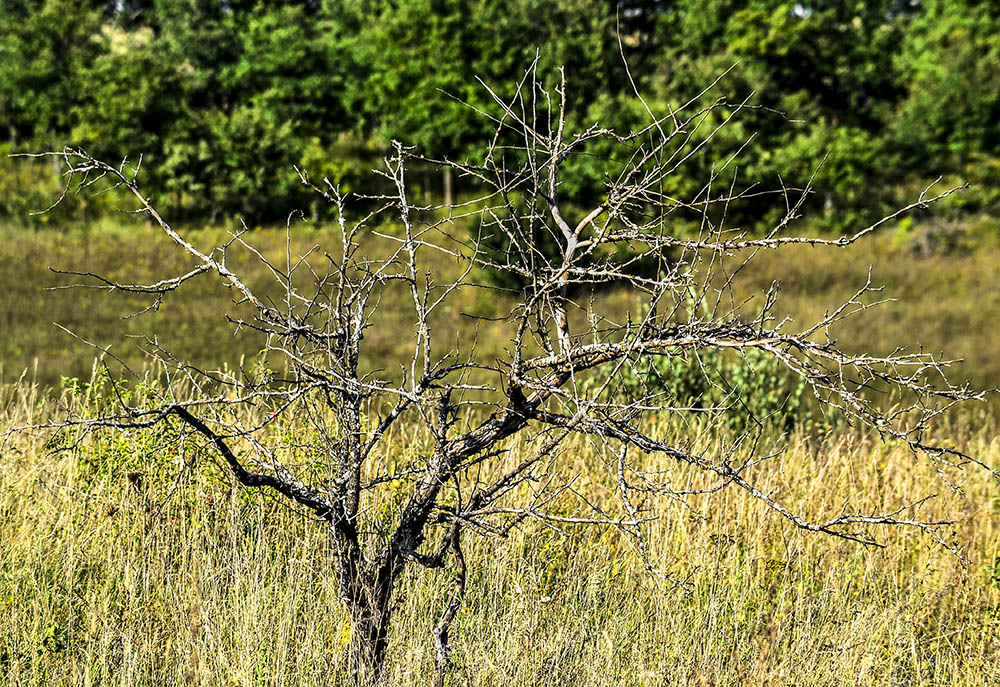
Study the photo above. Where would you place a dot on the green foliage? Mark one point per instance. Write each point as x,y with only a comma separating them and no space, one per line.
44,49
950,115
746,387
222,99
993,573
52,639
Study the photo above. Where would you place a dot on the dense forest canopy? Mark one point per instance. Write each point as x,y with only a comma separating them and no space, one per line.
223,97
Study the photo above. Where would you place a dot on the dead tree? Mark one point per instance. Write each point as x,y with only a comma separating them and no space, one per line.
564,362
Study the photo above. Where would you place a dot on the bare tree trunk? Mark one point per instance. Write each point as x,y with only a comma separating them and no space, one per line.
57,167
370,619
366,591
448,190
367,649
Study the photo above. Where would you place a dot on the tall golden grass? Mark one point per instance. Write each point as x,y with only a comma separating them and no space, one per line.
122,565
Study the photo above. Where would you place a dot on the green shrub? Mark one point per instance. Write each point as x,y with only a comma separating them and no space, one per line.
29,186
744,387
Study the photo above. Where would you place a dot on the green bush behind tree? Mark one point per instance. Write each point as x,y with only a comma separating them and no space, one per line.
223,97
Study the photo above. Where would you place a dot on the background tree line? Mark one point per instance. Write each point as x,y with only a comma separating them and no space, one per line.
223,97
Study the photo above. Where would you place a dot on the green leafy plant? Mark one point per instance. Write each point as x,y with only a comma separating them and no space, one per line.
746,387
53,639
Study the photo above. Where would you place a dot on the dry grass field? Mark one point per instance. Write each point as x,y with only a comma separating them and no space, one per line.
946,302
125,565
122,563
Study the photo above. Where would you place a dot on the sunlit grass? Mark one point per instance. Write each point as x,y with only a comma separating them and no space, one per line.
119,565
944,303
123,565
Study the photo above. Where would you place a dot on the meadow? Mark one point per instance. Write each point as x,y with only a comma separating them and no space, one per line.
946,301
124,563
134,558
